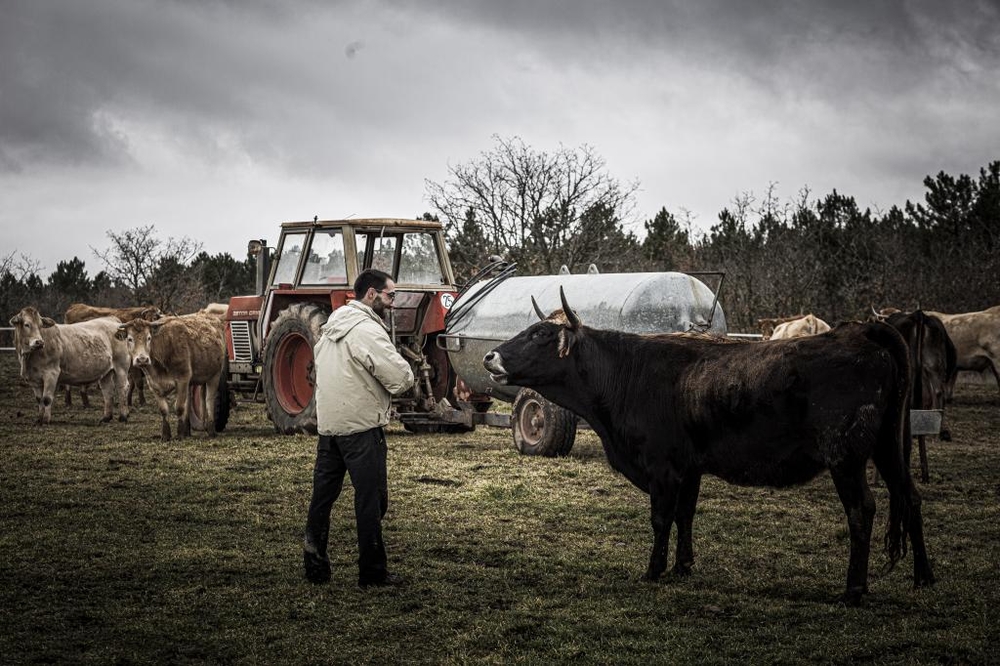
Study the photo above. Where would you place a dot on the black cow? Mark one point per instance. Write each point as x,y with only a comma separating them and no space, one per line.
931,350
669,408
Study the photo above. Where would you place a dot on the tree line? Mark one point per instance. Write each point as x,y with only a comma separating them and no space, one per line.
140,268
823,255
544,210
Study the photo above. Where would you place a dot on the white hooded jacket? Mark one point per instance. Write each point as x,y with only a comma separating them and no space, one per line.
357,370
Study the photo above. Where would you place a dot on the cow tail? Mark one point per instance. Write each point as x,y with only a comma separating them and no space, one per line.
892,451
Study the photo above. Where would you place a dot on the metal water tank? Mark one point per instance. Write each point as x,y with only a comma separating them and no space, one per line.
491,312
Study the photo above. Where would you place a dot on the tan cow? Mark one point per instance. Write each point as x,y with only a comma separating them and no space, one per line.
175,353
767,324
215,309
800,327
78,312
976,336
73,354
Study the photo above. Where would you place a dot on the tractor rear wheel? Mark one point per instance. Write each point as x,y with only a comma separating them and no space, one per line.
289,375
542,428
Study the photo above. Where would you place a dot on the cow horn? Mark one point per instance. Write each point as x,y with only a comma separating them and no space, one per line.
571,318
538,310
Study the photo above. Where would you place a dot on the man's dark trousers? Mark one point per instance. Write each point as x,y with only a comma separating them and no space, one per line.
363,456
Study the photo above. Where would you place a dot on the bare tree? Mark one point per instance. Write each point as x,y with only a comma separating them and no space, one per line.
147,266
530,205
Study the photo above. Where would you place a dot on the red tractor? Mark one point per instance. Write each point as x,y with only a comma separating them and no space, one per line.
310,273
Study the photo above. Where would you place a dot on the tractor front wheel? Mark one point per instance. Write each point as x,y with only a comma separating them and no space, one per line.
289,375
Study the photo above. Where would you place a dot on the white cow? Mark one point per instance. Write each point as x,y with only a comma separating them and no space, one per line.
976,336
73,354
807,325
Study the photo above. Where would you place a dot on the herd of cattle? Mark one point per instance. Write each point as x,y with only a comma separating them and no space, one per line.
941,345
118,348
670,408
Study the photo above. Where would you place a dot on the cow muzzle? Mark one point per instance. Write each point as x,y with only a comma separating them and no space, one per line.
141,360
494,363
37,343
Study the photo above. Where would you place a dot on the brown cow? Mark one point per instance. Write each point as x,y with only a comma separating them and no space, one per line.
976,336
800,327
73,354
174,353
78,312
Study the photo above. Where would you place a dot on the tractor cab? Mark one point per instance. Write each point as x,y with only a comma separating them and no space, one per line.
311,272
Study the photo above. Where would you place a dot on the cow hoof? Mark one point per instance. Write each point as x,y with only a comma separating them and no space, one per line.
850,598
681,570
122,419
106,419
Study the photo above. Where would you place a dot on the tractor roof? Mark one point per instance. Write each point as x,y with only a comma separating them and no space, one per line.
366,222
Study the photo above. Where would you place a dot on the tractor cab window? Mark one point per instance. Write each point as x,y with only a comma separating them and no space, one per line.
326,263
286,262
411,258
383,253
418,260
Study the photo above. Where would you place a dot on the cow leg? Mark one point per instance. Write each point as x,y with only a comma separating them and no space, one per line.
208,404
136,382
38,390
996,371
84,398
69,395
164,406
856,496
122,387
107,384
49,384
663,506
922,573
183,393
686,503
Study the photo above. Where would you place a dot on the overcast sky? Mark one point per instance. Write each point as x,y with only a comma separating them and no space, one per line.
217,120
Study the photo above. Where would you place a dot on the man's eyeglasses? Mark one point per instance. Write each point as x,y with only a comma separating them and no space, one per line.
391,295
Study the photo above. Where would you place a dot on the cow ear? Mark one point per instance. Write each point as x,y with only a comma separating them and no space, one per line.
538,310
154,326
15,320
567,338
121,333
48,322
572,321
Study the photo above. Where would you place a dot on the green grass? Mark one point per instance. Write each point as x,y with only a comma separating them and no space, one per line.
118,548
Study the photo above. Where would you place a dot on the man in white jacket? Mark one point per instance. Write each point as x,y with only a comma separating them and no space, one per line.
357,371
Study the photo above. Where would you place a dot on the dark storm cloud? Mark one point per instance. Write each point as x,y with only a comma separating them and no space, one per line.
68,68
221,76
755,37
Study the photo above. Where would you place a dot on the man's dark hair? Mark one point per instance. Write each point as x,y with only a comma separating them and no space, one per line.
370,278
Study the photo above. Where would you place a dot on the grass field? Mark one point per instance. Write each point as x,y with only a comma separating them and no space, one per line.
118,548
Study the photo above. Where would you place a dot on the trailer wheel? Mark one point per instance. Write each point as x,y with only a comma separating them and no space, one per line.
223,402
289,375
542,428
